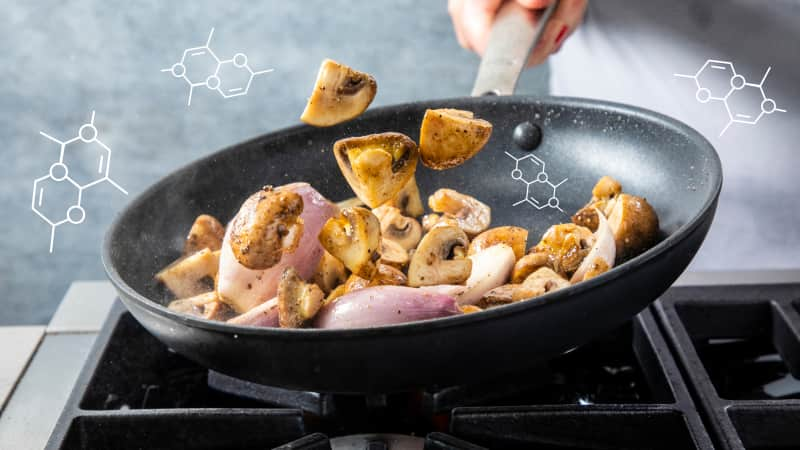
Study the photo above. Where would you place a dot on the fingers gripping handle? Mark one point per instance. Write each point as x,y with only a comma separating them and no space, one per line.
510,42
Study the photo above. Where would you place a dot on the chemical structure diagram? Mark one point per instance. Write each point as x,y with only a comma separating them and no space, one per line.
536,186
727,94
235,68
60,183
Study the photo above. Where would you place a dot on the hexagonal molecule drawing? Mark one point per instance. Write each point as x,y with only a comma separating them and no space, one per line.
718,81
230,77
537,184
85,150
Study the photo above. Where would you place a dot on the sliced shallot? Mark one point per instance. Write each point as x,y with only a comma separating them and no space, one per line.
602,253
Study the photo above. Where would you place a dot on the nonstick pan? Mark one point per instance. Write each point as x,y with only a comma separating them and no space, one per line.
655,156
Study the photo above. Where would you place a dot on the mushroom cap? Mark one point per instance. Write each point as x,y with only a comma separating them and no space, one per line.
437,220
471,215
298,301
565,245
330,273
340,94
440,258
206,232
527,265
635,225
353,236
449,137
377,166
514,237
393,253
403,230
267,225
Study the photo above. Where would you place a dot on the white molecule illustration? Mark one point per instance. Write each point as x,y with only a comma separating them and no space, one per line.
727,94
537,185
236,69
59,180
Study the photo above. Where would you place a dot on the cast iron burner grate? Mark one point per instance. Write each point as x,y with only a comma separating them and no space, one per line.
739,347
621,391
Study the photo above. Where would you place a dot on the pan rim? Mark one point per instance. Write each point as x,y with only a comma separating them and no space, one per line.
430,325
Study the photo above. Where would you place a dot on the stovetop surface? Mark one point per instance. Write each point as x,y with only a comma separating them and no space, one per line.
704,367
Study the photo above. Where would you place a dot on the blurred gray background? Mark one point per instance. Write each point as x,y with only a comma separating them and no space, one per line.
64,59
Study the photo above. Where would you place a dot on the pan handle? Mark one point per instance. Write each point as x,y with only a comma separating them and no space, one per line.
511,39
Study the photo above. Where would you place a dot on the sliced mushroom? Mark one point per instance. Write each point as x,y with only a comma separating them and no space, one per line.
440,258
217,310
353,236
634,224
435,220
340,94
393,253
330,273
298,301
543,281
267,225
377,166
408,200
385,275
514,237
603,199
472,216
527,265
206,232
565,245
449,137
191,275
396,227
602,254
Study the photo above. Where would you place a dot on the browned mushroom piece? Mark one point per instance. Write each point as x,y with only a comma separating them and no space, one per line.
337,292
603,198
634,224
408,200
437,220
403,230
206,305
353,236
449,137
468,309
565,245
527,265
471,215
545,280
440,258
340,94
514,237
191,275
393,254
206,232
384,275
330,273
298,301
507,293
377,166
267,225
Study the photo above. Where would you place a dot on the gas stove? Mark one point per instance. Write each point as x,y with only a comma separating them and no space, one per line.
703,367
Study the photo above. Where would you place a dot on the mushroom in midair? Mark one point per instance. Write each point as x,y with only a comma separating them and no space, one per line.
449,137
340,94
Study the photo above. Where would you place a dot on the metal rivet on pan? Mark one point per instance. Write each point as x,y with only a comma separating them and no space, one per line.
527,136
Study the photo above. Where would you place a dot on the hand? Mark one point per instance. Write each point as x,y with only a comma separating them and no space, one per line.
472,20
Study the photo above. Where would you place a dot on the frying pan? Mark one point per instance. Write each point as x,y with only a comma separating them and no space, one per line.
654,156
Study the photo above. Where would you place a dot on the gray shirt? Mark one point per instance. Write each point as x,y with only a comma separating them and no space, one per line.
630,52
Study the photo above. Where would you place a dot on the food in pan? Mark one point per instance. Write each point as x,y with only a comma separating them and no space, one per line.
291,258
